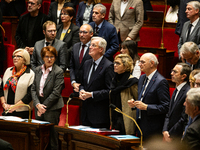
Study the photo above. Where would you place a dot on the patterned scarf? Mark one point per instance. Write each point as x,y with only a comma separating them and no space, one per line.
12,81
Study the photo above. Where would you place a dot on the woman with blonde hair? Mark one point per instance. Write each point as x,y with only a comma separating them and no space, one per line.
123,87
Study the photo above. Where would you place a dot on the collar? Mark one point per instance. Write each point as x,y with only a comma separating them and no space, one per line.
99,24
180,86
98,60
49,41
87,44
48,69
151,75
195,22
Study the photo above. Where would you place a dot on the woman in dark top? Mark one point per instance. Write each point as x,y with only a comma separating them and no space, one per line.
16,86
84,14
55,10
123,88
67,31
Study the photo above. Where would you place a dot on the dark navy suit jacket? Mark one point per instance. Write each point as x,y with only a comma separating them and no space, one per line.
109,33
76,69
157,98
176,117
81,11
96,109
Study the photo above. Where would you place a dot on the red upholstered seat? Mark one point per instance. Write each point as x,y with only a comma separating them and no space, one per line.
1,109
150,37
73,115
159,7
45,7
8,32
107,5
171,90
9,49
68,88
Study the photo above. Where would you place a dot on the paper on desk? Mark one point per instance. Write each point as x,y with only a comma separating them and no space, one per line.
124,137
38,121
12,118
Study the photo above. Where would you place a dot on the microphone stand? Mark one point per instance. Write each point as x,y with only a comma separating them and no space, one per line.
29,108
119,111
70,98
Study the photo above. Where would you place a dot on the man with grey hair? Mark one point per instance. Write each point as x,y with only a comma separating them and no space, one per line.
95,86
192,108
153,97
104,29
79,54
29,29
190,31
190,52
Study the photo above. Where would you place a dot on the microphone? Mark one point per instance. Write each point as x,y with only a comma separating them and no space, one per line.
29,108
70,98
119,111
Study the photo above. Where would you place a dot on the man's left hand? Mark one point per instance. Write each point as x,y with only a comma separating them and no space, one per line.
140,105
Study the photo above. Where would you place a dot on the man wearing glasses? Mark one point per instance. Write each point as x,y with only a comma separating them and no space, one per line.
79,54
29,29
49,30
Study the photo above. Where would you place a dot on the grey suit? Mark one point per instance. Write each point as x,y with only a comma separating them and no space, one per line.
61,48
194,36
52,98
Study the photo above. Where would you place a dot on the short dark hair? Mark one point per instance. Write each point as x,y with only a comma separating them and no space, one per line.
69,10
185,70
132,48
49,49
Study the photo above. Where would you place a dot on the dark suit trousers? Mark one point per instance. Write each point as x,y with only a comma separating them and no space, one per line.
52,116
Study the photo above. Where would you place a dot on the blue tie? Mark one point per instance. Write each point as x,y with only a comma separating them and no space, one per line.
140,95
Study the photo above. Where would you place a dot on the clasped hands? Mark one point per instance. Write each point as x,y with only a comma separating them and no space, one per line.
84,95
41,109
138,104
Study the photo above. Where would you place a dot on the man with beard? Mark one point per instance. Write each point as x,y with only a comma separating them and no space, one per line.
49,30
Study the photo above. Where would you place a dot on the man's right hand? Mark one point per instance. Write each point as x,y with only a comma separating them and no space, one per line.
131,103
76,86
166,136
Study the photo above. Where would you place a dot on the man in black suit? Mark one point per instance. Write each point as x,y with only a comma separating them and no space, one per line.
176,118
4,145
153,97
29,29
191,53
49,30
80,53
192,108
95,86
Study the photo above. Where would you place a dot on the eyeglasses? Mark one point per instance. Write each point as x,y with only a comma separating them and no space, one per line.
92,45
17,56
31,3
84,32
64,14
50,31
49,57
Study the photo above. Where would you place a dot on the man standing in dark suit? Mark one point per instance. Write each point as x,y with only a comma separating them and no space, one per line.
104,29
49,30
191,53
192,108
190,31
176,118
29,29
95,86
153,97
80,53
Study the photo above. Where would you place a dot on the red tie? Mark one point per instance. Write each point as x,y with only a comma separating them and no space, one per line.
81,54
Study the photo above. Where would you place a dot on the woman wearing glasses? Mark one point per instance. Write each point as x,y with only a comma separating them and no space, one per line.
46,91
123,88
16,86
67,31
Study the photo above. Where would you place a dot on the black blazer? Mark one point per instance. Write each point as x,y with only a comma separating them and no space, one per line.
71,37
81,11
176,117
157,97
5,145
76,69
53,11
96,109
22,30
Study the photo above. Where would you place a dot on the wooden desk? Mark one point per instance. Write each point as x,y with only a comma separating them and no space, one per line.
72,139
25,136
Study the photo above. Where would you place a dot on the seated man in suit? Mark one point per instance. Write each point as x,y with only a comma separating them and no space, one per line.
95,86
80,53
49,30
106,30
190,31
153,97
29,29
192,108
191,53
176,118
